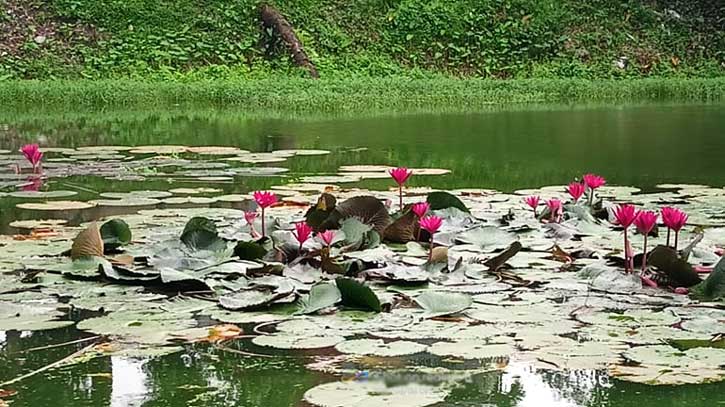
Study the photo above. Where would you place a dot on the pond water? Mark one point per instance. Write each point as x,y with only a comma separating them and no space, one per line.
504,150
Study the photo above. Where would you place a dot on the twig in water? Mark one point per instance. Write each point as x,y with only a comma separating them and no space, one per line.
48,367
58,345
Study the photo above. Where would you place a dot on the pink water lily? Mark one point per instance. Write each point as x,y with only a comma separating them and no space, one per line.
33,154
264,199
420,209
400,175
34,184
533,202
645,222
576,190
675,220
431,224
249,217
624,216
593,181
302,232
555,210
327,237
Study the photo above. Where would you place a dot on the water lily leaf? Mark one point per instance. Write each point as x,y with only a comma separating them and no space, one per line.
357,295
377,347
355,232
439,303
374,393
404,229
56,206
249,250
201,234
115,233
249,299
471,349
42,194
677,270
443,200
30,317
713,288
88,243
321,296
400,274
153,326
287,341
487,238
500,259
366,209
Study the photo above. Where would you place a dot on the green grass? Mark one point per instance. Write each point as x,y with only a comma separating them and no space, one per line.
503,39
398,94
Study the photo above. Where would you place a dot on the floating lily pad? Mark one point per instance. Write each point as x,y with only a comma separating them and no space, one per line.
281,341
377,347
439,303
56,206
374,393
471,349
42,194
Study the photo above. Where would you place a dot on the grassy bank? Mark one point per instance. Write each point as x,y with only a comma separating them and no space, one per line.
366,94
223,39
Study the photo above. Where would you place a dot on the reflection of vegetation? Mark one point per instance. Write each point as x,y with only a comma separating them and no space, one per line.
487,388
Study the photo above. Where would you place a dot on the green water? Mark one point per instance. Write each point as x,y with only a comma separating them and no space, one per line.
505,150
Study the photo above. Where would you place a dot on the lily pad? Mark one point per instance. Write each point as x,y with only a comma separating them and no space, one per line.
357,295
439,303
374,393
377,347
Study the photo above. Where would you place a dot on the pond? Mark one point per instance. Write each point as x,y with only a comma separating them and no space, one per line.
158,170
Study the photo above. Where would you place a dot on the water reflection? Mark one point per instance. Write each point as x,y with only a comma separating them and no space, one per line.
552,388
130,382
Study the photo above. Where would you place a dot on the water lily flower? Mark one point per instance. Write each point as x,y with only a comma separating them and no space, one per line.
420,209
33,154
675,220
576,190
645,222
249,217
327,237
431,224
625,215
302,232
593,182
555,209
533,202
264,199
400,175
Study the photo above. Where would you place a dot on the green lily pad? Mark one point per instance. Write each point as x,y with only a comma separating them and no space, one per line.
374,393
377,347
439,303
321,296
357,295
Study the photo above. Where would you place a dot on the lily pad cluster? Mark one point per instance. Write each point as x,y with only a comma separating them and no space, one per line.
504,285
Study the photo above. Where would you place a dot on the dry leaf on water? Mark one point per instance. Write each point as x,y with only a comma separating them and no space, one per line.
88,243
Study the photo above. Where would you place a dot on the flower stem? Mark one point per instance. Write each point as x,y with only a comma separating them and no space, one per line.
400,195
591,197
430,251
644,254
626,251
264,231
677,235
668,237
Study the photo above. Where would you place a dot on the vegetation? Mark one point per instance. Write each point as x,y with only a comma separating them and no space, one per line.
222,39
353,94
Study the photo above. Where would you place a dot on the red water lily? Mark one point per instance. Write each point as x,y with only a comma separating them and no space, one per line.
675,220
576,190
33,154
533,202
264,199
302,232
555,210
645,222
593,181
327,237
624,216
431,224
400,175
420,209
